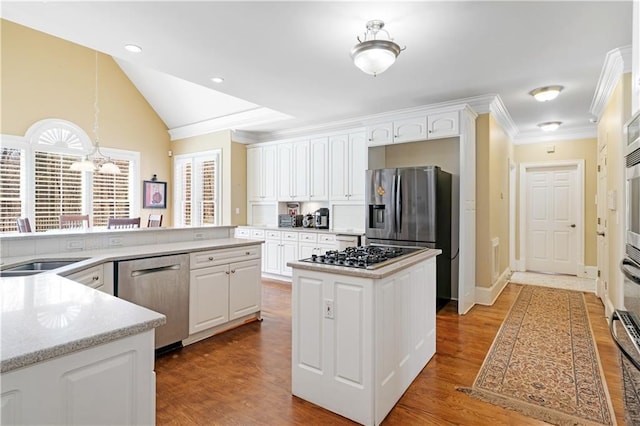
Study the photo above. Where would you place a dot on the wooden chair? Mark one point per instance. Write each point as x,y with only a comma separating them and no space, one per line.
74,221
120,223
155,221
23,224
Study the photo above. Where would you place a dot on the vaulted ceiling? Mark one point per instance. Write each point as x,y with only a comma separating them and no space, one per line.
286,65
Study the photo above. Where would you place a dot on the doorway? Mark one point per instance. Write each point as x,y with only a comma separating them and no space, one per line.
552,216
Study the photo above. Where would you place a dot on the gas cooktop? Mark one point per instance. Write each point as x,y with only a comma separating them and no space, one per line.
363,257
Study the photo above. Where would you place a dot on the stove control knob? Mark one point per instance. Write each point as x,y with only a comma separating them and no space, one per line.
314,257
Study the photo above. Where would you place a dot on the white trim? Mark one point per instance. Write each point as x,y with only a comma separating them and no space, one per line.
512,213
499,111
586,132
616,63
579,166
35,131
589,272
488,295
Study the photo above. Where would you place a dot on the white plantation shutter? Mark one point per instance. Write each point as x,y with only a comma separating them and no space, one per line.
112,194
11,206
58,190
196,192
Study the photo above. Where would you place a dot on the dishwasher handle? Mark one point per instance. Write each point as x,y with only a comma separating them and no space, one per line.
141,272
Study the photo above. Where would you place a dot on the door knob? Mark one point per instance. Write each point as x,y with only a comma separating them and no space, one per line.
600,234
573,225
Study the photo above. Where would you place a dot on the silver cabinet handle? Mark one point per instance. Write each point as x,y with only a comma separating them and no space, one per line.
95,278
247,253
233,271
153,270
210,257
226,272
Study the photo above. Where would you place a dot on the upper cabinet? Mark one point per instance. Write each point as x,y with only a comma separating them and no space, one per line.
348,162
261,173
413,129
319,169
293,171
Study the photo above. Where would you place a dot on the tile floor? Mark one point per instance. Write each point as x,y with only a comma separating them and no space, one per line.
568,282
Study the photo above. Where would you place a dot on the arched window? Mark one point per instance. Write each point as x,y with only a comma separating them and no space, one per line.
36,180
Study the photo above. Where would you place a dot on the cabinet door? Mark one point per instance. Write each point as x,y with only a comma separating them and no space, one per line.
318,169
285,172
245,291
358,165
272,256
289,254
300,167
269,175
339,168
443,125
305,250
410,129
208,298
380,134
254,172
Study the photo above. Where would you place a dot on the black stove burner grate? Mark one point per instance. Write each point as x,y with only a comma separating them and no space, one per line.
364,257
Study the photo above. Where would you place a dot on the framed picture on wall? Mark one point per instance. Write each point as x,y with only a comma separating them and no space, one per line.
154,194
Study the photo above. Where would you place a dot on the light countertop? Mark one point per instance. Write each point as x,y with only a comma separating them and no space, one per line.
382,272
46,315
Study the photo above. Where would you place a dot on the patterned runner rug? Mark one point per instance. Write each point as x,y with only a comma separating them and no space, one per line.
544,362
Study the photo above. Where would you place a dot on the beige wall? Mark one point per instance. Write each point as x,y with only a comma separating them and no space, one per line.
47,77
234,171
579,149
483,202
612,139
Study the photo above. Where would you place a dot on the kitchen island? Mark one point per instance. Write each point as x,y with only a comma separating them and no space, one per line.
359,336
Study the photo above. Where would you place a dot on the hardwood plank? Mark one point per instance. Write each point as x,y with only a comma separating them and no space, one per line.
243,376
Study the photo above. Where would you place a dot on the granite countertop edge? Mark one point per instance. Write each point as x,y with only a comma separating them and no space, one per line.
27,359
368,273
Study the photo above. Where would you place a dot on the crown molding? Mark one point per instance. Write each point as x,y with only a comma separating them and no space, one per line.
585,132
616,63
499,111
254,116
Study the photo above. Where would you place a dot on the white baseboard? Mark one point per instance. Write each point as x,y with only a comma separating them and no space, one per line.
608,308
588,272
488,295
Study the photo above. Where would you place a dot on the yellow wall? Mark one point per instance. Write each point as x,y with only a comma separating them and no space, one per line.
234,170
579,149
47,77
483,202
612,138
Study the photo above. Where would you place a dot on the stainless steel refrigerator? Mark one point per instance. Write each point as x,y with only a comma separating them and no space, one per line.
412,207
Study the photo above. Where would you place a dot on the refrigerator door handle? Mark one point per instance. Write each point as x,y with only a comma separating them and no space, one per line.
399,204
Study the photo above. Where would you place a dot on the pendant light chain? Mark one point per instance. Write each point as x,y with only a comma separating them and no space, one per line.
96,109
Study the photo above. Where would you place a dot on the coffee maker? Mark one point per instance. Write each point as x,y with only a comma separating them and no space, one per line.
322,218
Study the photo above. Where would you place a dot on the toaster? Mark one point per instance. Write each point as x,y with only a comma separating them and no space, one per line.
289,221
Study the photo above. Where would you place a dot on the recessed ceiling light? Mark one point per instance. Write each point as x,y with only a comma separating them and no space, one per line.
133,48
217,79
547,93
550,126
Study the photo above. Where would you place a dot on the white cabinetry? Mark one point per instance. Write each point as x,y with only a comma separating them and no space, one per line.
413,129
99,277
319,169
280,247
348,155
112,384
293,171
372,343
224,285
261,173
312,243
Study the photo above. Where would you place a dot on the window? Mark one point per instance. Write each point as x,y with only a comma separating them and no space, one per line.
196,190
35,179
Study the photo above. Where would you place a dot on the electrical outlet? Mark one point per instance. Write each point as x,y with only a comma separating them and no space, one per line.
328,308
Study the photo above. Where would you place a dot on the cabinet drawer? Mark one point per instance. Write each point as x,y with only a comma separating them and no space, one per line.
290,236
257,234
308,237
92,277
273,235
326,238
243,233
201,259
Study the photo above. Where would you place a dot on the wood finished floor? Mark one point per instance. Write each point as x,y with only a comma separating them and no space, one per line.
243,377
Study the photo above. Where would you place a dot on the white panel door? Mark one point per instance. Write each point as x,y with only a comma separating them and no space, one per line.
601,227
358,165
339,168
285,172
300,165
245,288
551,220
319,169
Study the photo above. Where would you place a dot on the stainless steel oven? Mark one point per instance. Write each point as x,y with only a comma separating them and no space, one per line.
632,157
629,317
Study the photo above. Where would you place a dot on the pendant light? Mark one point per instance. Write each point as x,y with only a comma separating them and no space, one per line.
100,162
373,55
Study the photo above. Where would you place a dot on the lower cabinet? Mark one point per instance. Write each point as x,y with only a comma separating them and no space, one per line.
225,291
280,248
111,384
99,277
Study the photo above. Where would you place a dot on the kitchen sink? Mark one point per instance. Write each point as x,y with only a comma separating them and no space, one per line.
36,267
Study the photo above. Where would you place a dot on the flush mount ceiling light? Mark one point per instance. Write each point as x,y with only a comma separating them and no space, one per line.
133,48
547,93
550,126
372,55
217,79
99,162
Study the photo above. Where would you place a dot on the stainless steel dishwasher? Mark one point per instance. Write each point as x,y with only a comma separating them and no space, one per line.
162,285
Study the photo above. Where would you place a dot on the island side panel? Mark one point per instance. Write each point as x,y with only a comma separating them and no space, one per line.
332,347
